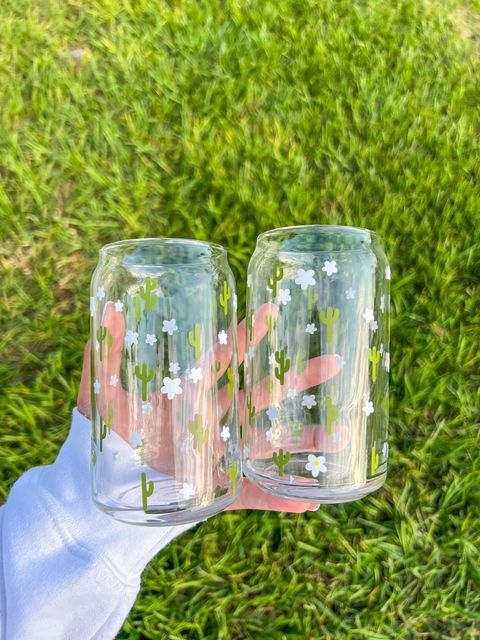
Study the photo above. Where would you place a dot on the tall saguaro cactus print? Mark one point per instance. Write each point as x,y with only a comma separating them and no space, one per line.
225,297
272,282
283,365
329,319
145,375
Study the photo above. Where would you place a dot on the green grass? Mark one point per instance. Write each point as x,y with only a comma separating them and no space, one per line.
218,120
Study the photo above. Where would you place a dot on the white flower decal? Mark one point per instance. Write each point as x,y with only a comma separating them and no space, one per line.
284,296
114,380
147,408
225,433
96,387
385,450
292,393
174,368
151,339
136,440
272,412
316,464
387,361
118,306
388,273
382,303
171,387
381,349
235,302
374,325
309,401
97,346
187,491
368,315
305,278
131,338
271,359
330,267
274,433
195,374
311,328
350,293
101,292
169,326
222,337
92,305
250,353
367,407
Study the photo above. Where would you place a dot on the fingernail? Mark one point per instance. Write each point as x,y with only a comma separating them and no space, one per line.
315,508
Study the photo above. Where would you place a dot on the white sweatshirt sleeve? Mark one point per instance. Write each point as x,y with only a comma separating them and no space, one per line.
68,571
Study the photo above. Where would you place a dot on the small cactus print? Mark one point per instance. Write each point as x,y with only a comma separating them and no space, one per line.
272,282
196,428
231,382
329,318
225,297
281,459
374,461
145,375
194,339
283,365
332,412
232,474
147,294
374,357
147,490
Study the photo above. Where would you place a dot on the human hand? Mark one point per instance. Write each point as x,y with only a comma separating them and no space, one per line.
251,497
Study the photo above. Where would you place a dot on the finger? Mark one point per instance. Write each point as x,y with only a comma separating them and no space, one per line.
318,370
253,497
83,399
259,326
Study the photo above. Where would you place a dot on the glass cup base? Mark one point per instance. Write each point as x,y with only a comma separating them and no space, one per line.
162,516
316,493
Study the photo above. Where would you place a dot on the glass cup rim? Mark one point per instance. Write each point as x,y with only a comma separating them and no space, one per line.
271,233
108,249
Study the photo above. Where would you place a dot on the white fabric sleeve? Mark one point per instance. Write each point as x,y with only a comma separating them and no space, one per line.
69,571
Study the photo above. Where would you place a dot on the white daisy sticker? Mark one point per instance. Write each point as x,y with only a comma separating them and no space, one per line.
118,306
151,339
187,491
367,407
222,337
225,433
305,278
174,368
350,293
169,326
284,296
368,315
96,387
101,292
309,401
330,267
316,465
131,338
171,387
311,328
114,380
195,375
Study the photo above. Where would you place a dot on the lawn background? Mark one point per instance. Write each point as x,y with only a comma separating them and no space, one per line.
218,120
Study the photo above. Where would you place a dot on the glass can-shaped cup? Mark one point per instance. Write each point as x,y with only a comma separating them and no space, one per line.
165,434
317,362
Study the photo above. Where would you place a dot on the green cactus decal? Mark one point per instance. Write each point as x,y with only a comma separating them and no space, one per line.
145,375
301,360
108,419
147,490
137,308
195,428
271,325
283,365
375,461
231,382
225,297
251,408
271,387
312,297
195,340
94,457
250,325
147,295
332,415
297,428
329,319
281,459
104,334
277,275
232,474
374,357
102,432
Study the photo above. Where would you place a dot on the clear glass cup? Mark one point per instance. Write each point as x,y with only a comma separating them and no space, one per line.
316,384
165,434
